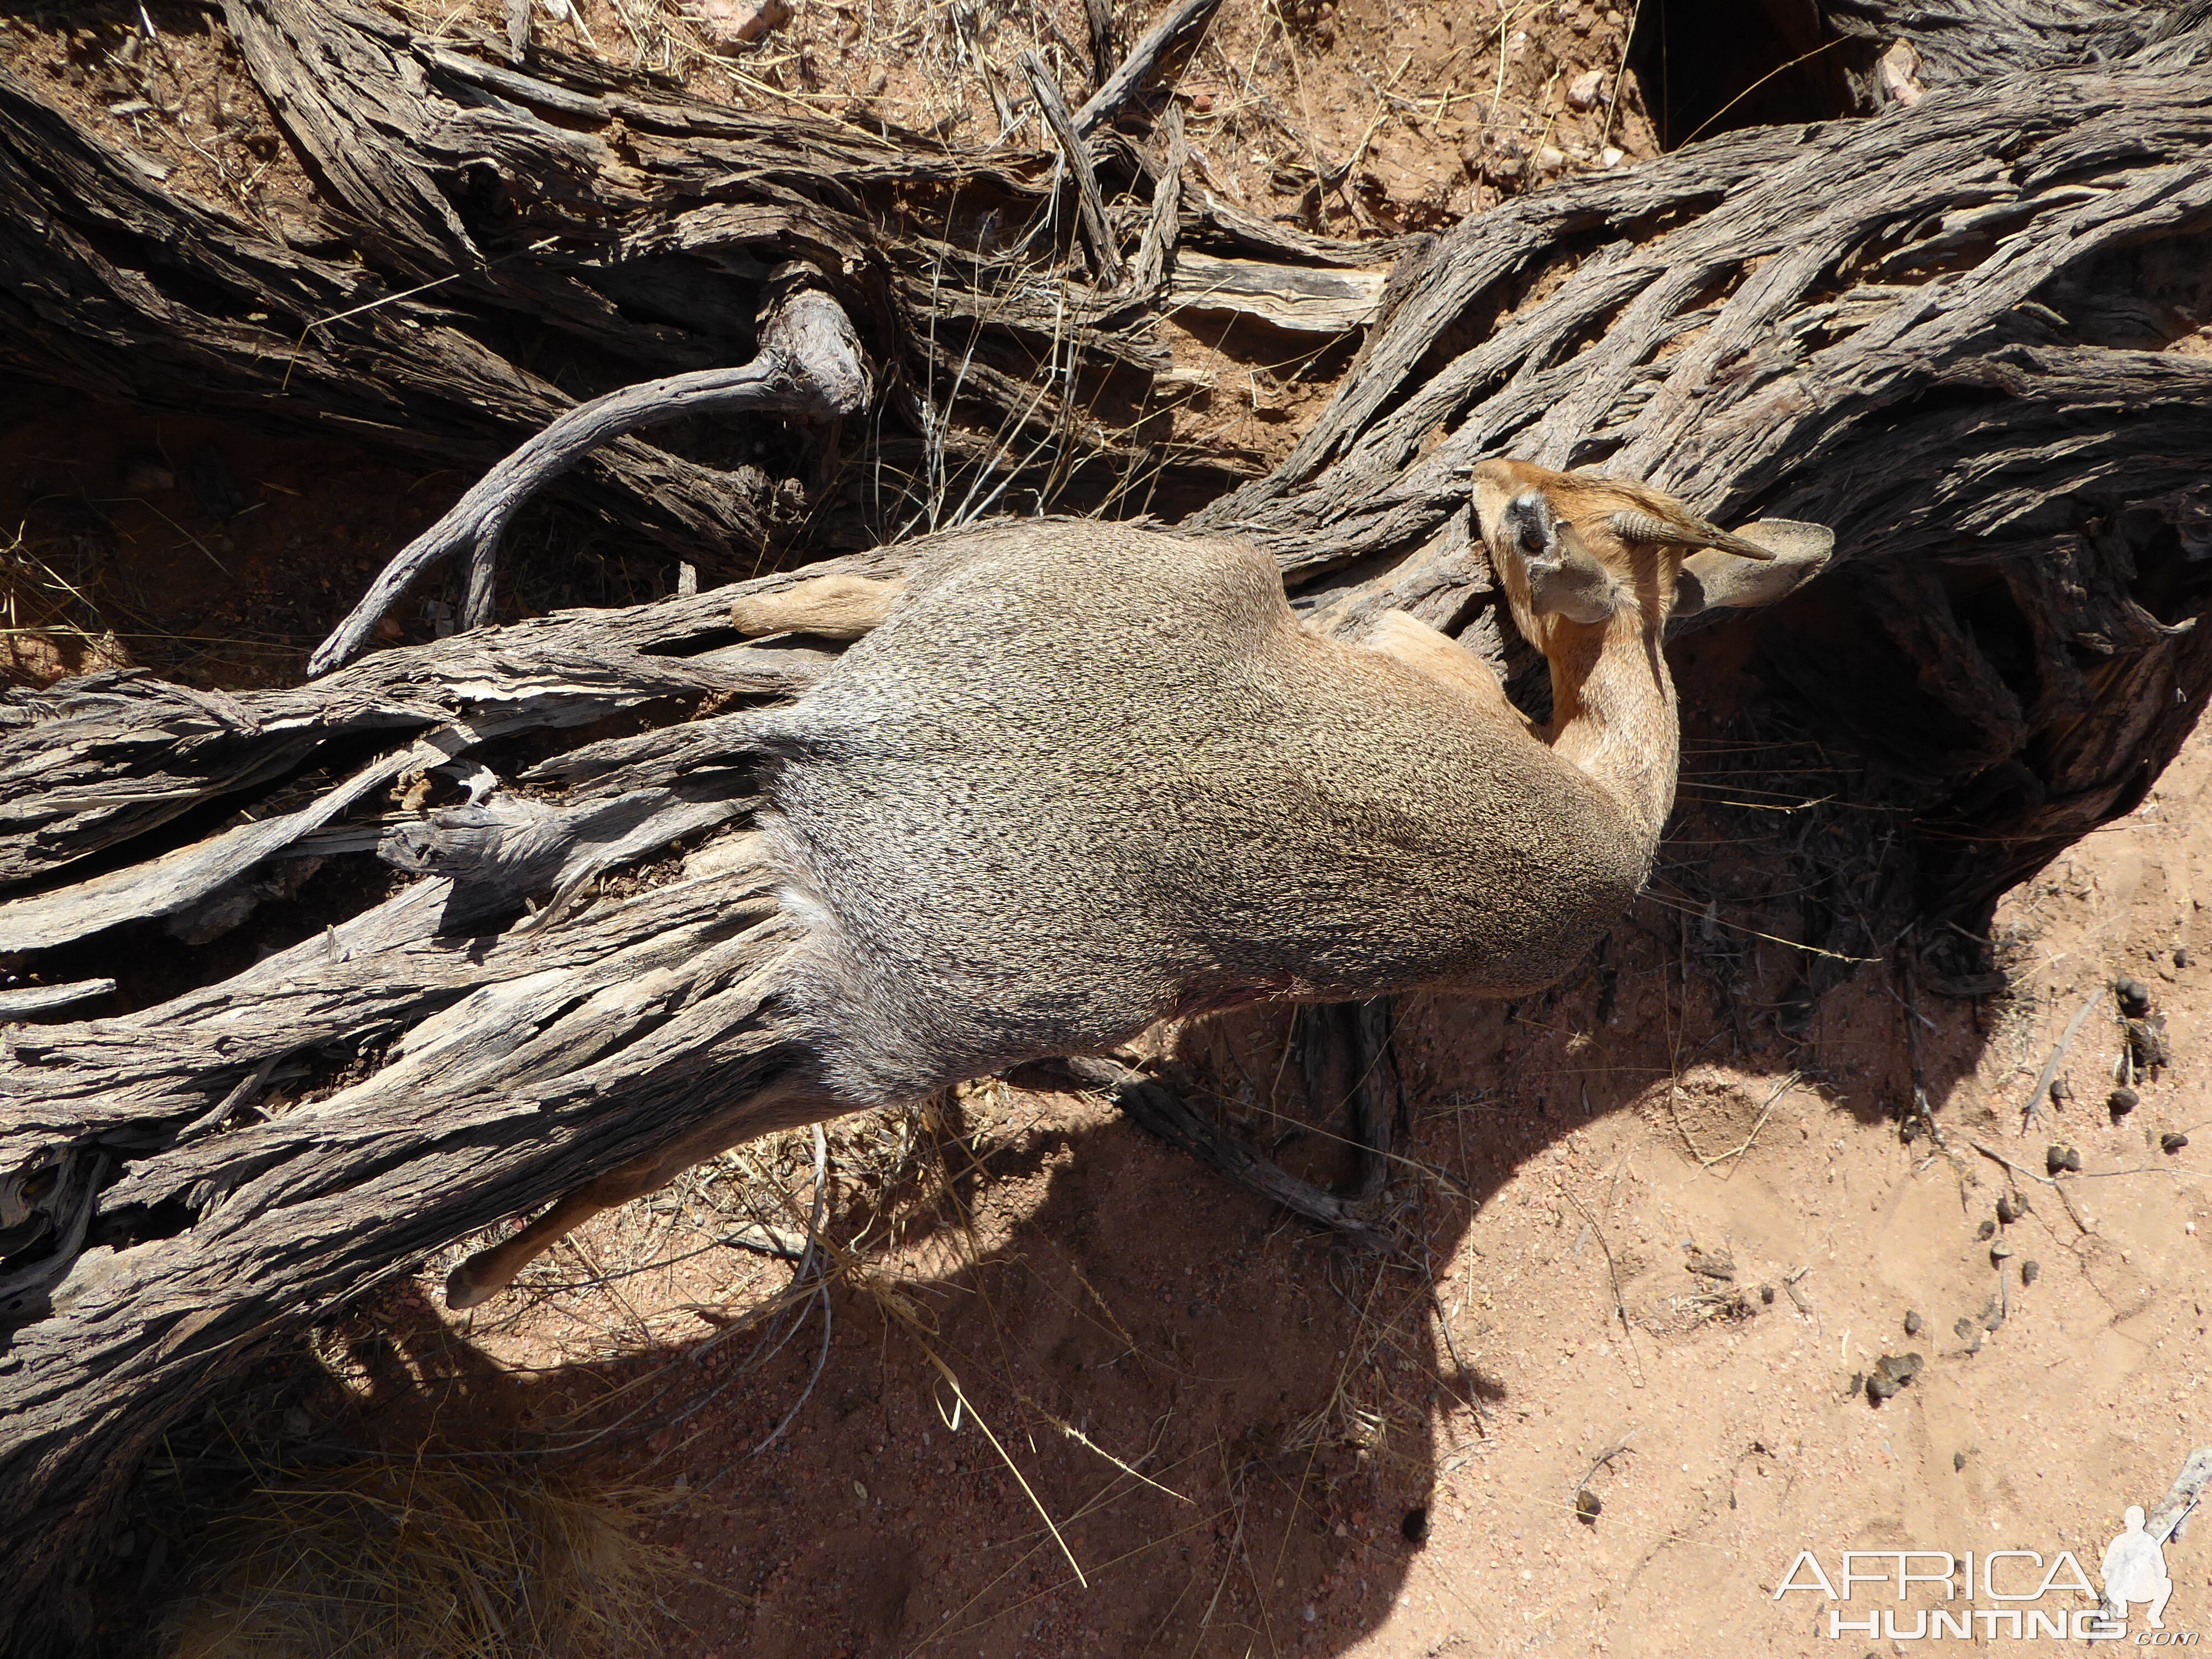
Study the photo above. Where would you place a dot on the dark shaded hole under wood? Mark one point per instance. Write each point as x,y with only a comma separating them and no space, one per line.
1710,66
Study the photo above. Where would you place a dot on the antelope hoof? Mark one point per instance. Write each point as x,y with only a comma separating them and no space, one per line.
469,1284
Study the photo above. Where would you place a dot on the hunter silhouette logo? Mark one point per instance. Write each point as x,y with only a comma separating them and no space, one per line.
2134,1570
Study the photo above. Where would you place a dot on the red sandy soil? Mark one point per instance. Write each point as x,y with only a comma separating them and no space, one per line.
1250,1440
1229,1418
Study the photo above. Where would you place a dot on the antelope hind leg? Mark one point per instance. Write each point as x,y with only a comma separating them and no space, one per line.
835,607
489,1271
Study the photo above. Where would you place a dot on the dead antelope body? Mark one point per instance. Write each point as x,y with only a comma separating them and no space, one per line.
1072,779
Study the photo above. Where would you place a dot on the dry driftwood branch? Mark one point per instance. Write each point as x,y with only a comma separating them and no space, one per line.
44,999
1970,40
1180,25
113,757
1091,204
1297,299
810,365
1928,330
1098,20
1157,248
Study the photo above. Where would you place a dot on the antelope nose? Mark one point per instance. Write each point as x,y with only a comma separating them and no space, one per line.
1529,523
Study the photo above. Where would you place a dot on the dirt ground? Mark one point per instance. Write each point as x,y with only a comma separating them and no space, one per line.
1059,1392
1653,1251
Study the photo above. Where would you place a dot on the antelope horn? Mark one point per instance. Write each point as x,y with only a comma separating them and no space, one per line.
1633,527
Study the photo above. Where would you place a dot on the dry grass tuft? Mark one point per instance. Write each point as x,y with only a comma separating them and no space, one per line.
49,626
390,1557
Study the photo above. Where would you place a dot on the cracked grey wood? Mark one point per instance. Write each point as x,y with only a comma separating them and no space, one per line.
1091,204
808,365
43,998
1803,321
1964,41
1297,299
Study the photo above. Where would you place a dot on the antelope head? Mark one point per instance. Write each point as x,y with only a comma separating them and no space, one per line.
1575,550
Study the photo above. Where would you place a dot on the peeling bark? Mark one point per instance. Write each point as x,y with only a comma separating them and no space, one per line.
1905,328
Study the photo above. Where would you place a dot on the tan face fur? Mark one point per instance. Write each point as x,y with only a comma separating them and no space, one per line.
1573,549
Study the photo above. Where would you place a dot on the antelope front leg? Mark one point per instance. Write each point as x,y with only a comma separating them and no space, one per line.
836,607
1412,642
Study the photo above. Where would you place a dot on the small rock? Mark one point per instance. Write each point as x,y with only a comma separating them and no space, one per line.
1550,159
732,22
2122,1101
1958,1462
1986,1231
1612,156
1587,1507
2181,956
1898,71
2030,1272
1415,1526
1891,1373
1913,1322
2061,1158
2135,998
146,474
389,629
2172,1142
1587,90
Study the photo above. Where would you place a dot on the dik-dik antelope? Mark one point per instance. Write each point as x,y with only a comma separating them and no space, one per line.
1073,779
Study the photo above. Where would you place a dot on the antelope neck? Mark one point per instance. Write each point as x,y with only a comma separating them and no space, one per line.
1613,714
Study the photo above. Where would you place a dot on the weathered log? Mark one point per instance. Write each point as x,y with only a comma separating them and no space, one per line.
487,202
1901,327
1969,40
1904,328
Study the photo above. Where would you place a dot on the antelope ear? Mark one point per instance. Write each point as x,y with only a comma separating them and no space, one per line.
1715,578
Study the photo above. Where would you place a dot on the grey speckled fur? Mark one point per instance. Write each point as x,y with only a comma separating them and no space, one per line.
1082,777
1085,777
